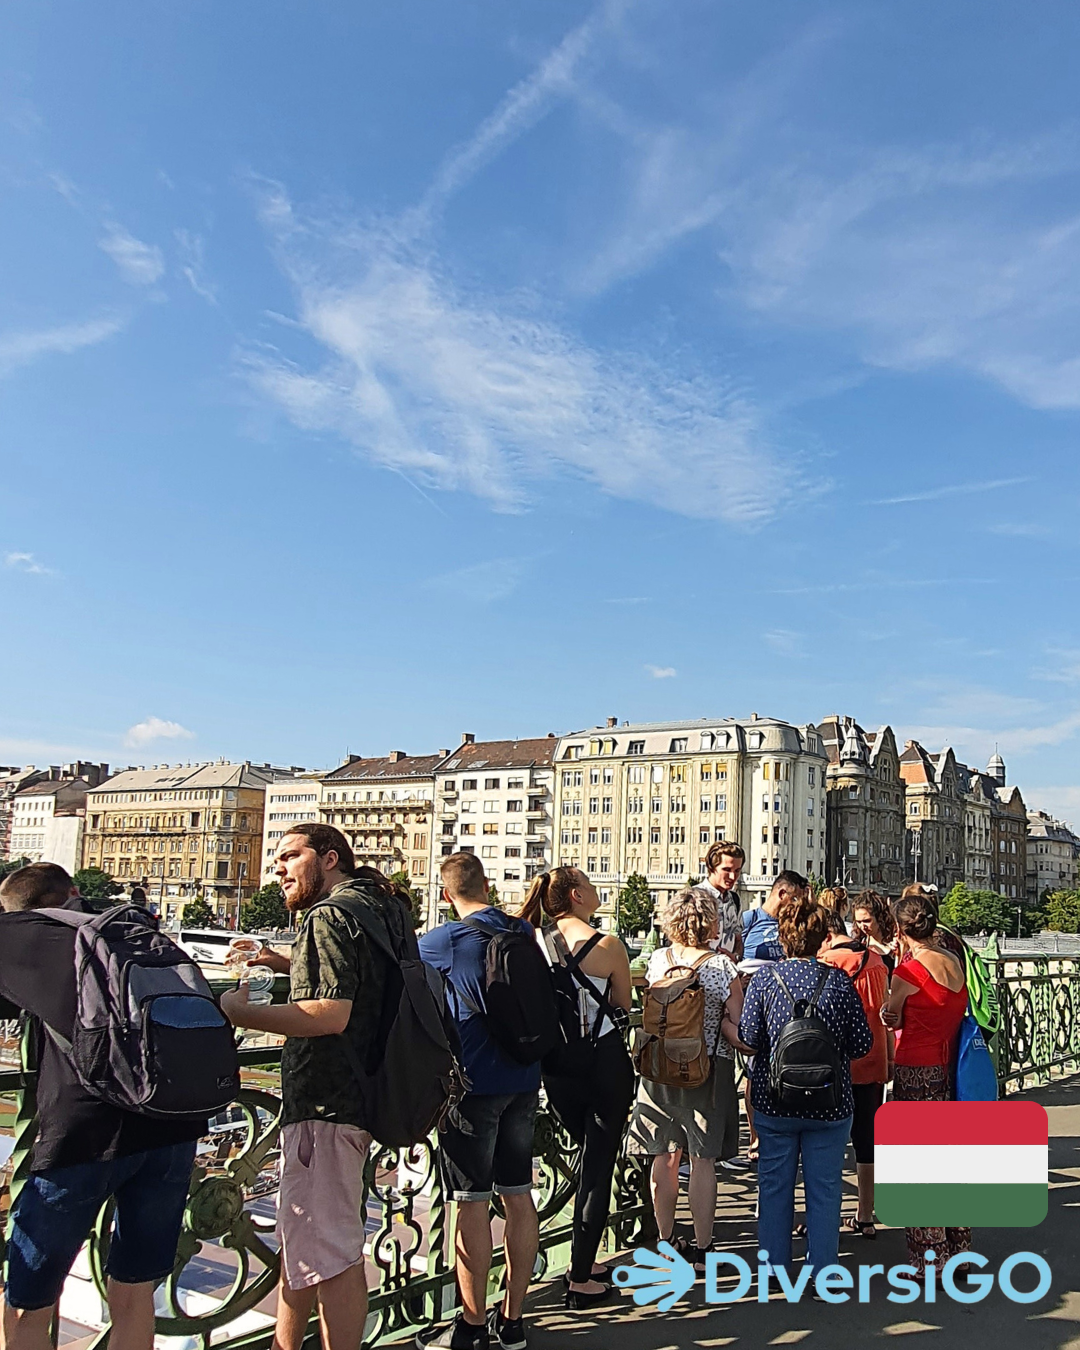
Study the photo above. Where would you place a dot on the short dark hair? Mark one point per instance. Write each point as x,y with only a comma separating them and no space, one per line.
794,881
36,886
836,924
723,850
463,876
138,896
325,839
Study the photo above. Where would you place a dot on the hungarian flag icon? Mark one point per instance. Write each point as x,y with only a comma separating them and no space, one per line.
961,1164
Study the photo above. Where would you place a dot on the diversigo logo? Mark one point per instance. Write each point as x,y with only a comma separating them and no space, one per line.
939,1165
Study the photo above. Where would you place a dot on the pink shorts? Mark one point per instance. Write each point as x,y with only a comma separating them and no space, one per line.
319,1223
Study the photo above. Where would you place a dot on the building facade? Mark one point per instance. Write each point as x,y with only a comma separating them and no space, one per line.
934,848
48,817
385,807
182,831
496,799
287,804
978,794
651,797
12,780
1052,853
864,836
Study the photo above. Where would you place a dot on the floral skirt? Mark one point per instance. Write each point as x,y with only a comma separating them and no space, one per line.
928,1083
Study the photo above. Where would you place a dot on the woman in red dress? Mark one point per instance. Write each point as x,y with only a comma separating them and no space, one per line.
927,1001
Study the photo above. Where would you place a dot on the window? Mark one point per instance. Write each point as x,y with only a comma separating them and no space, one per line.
222,871
491,827
491,784
605,864
811,774
514,875
776,834
449,787
490,808
590,865
609,774
573,752
593,835
605,835
195,819
721,802
467,829
226,820
852,793
706,773
489,851
606,806
765,768
706,803
635,748
657,805
678,745
764,834
467,808
764,803
678,773
512,783
776,804
678,803
677,834
594,776
810,840
913,809
636,773
853,848
633,834
514,804
654,835
810,806
703,835
468,785
513,827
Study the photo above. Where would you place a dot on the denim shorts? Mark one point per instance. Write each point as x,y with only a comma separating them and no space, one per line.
487,1145
57,1208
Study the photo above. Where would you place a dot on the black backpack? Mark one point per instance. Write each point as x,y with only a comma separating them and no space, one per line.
149,1036
520,1013
413,1075
805,1068
573,1052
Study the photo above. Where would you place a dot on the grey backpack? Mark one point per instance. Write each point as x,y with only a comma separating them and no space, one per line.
149,1036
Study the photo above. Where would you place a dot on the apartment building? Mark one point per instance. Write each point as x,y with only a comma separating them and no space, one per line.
182,830
934,845
977,792
385,808
48,816
496,799
1052,853
864,834
651,797
13,780
287,804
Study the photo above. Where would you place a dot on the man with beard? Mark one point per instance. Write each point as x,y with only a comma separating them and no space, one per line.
338,979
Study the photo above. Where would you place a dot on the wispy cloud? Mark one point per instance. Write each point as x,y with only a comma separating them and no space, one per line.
883,584
139,263
153,729
953,490
468,392
26,562
481,583
1066,667
21,349
783,641
1061,802
191,248
627,600
662,672
977,743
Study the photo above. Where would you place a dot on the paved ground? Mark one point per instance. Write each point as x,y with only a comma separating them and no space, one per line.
1053,1324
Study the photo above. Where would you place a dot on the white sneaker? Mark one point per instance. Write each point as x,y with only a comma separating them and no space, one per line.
734,1164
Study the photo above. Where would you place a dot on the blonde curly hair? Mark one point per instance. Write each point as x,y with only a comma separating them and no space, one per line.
689,917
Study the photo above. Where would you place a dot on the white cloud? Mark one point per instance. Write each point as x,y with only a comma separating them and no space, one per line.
465,392
155,729
20,349
26,562
976,744
1061,802
482,583
662,672
192,247
1065,671
783,641
954,490
139,263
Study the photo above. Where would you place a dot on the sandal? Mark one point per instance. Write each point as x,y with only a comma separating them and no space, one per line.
852,1224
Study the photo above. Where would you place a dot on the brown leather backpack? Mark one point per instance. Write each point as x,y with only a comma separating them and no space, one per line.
672,1049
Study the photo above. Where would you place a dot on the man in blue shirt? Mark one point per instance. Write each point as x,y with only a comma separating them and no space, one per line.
760,926
486,1144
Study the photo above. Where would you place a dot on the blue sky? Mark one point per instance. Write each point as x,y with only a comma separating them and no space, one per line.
373,373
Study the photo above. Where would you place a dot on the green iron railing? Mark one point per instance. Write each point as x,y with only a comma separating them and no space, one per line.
410,1219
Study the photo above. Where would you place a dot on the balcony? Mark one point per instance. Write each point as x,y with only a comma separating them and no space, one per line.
541,814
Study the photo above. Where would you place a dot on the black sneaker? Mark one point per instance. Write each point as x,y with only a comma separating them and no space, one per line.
459,1335
510,1334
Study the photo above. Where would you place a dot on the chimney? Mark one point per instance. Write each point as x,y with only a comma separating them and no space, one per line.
753,717
442,754
467,738
396,756
613,721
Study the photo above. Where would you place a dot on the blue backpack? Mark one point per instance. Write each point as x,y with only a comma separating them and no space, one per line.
975,1079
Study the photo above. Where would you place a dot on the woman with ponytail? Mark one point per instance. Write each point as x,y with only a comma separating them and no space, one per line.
592,1097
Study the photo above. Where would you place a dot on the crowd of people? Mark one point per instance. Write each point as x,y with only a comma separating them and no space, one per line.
883,991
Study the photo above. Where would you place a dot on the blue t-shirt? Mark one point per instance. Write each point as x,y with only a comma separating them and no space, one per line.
759,927
459,951
767,1010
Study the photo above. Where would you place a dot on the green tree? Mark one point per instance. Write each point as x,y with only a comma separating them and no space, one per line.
94,884
1062,911
493,894
971,911
265,909
6,868
415,897
634,906
198,914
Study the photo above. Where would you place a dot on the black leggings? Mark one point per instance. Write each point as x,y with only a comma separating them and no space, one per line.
594,1110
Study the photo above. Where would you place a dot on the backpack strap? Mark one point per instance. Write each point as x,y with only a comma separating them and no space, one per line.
373,926
811,1002
555,942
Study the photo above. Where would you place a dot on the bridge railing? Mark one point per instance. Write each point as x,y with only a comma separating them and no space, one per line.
409,1218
